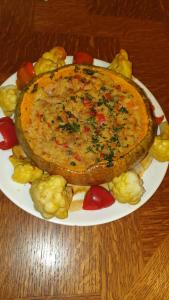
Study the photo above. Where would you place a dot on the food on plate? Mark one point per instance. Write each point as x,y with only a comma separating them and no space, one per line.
50,60
51,196
164,130
127,188
91,124
121,64
8,99
8,132
82,58
80,125
160,147
97,197
24,74
19,153
25,172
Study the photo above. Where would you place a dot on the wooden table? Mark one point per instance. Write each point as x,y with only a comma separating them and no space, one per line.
127,259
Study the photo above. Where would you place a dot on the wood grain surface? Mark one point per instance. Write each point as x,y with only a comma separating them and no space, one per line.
124,260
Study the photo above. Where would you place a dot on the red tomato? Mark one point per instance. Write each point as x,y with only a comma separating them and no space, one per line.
7,129
97,197
25,74
82,58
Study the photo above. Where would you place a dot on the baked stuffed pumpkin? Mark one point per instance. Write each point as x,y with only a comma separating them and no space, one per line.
86,123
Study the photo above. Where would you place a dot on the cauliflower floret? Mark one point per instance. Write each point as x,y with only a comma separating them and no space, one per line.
160,147
25,172
44,65
56,54
51,197
8,99
127,188
121,64
50,60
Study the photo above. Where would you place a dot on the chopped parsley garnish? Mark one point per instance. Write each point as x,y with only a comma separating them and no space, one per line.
103,89
89,149
69,114
70,127
72,98
123,110
109,158
118,128
88,96
59,118
72,163
88,71
95,139
115,139
101,101
91,121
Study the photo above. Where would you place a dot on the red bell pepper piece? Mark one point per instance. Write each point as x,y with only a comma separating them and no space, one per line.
158,120
82,58
7,130
100,118
97,197
25,73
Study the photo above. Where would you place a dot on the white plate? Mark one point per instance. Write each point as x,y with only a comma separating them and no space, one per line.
19,194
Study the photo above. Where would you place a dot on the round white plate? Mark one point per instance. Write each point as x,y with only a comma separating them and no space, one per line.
19,193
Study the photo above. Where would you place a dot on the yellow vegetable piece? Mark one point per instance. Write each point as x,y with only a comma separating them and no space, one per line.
8,99
56,54
44,65
51,196
127,188
51,60
26,173
121,64
160,149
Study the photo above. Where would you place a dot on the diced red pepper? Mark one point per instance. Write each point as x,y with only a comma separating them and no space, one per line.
7,130
77,157
100,118
97,197
87,102
25,73
82,58
86,129
108,96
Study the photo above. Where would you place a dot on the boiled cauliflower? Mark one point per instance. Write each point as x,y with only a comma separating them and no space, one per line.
56,54
24,172
51,197
121,64
50,60
44,65
127,188
8,99
160,147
